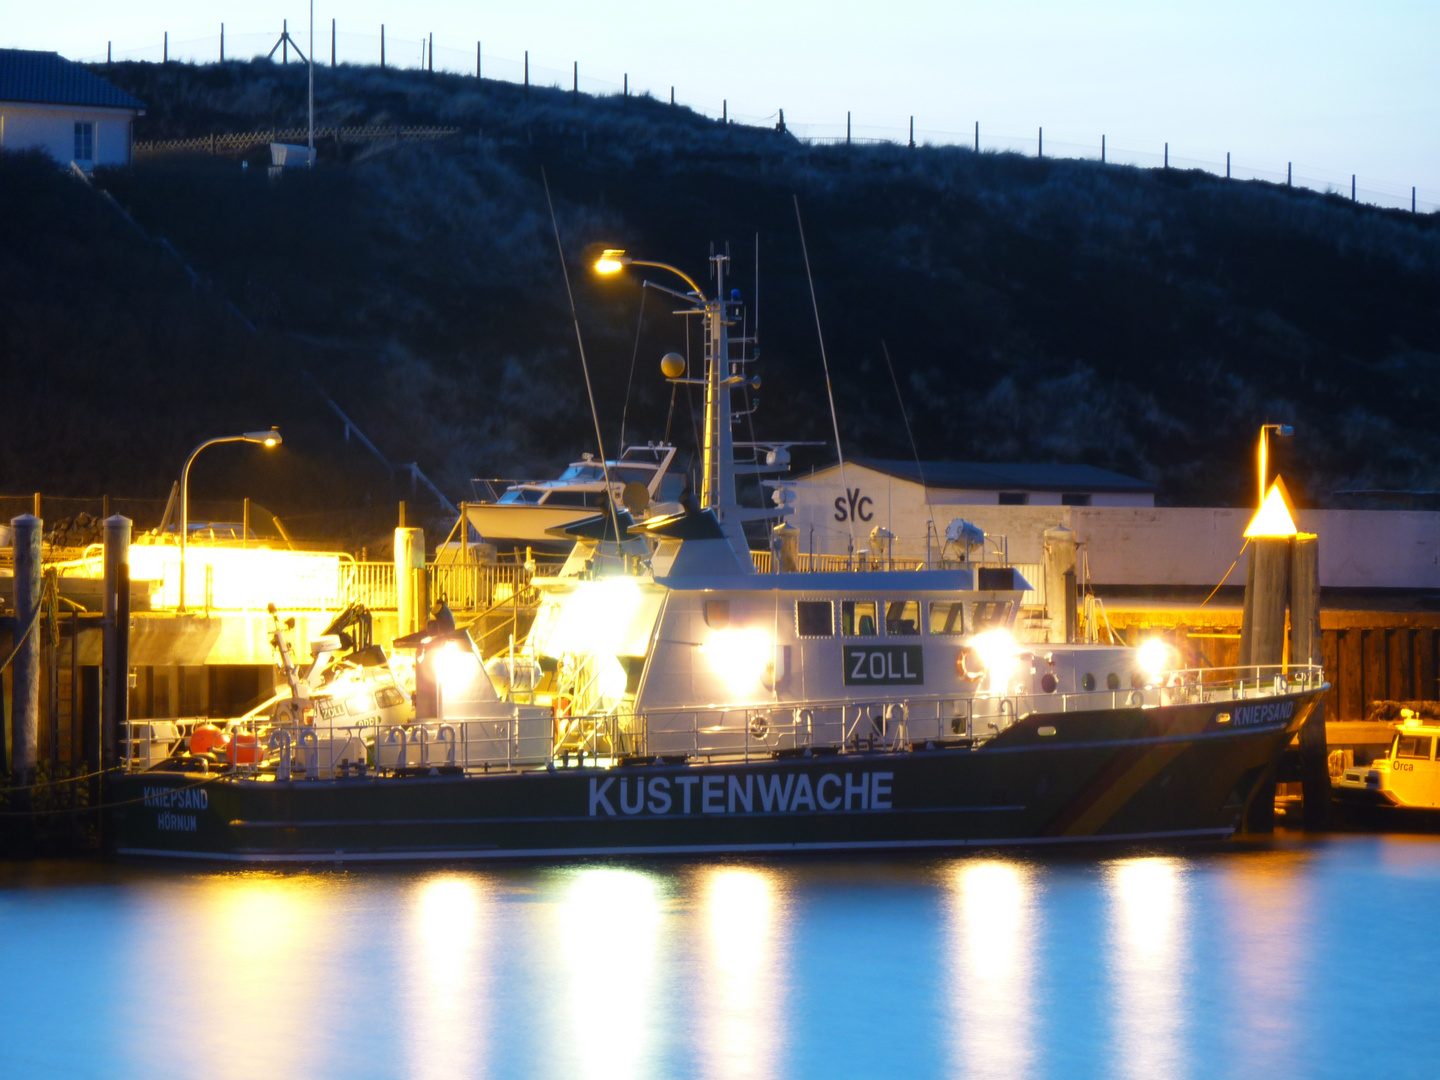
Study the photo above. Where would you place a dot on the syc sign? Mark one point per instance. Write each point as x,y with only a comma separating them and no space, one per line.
852,506
884,665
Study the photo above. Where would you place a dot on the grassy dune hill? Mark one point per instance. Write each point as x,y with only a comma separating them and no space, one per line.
1048,310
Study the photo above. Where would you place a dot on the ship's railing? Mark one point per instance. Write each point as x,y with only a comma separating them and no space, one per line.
863,561
530,736
463,586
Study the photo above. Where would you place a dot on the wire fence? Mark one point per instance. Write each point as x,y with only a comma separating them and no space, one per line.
406,51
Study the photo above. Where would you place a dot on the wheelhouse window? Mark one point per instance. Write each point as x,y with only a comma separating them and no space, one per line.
902,617
1074,498
1014,498
815,618
84,141
857,618
991,615
947,617
1413,746
523,495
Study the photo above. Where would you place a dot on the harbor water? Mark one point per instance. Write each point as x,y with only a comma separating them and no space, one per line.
1294,957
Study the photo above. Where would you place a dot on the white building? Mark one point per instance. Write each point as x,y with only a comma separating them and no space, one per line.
1126,539
902,496
52,104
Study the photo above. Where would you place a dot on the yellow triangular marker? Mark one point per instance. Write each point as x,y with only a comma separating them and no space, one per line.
1276,516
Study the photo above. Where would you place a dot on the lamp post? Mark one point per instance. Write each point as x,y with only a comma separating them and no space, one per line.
1265,429
264,438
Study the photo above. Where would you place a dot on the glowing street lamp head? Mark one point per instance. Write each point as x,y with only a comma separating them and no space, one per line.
264,438
611,261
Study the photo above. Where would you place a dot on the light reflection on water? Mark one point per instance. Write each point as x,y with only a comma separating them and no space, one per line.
991,966
1149,921
1280,960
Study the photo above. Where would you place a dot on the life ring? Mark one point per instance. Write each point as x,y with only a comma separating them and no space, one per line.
968,664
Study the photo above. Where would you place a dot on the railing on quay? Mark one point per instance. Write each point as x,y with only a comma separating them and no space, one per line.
535,737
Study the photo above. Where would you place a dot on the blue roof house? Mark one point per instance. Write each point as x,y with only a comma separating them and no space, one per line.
52,104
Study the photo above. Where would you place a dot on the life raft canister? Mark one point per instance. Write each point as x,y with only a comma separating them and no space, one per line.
208,737
246,750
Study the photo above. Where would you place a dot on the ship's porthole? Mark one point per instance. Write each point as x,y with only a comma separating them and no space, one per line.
1112,681
1137,680
1048,682
1087,681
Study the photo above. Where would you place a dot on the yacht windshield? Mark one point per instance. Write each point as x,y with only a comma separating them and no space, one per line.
582,472
523,495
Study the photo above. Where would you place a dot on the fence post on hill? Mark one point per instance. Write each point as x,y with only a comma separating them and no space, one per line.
575,79
977,136
1227,164
430,54
332,43
1040,145
1102,149
724,110
165,53
382,44
108,45
1289,173
912,133
222,43
1412,200
477,60
527,69
1352,187
847,127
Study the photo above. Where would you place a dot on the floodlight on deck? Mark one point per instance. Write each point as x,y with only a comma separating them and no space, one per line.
612,261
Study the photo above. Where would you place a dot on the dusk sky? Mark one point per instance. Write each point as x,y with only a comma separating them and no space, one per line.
1337,88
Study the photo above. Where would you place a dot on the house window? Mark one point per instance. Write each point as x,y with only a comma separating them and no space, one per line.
84,141
1014,498
815,618
1072,498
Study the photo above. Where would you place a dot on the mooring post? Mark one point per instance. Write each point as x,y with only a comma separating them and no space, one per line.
1305,649
115,641
25,668
1059,551
1262,645
411,603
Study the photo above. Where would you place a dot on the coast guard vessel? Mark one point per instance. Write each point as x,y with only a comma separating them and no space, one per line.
669,698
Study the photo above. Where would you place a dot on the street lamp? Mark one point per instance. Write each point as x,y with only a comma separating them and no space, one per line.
264,438
1265,429
717,488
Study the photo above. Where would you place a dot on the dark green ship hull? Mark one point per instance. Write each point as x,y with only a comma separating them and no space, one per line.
1181,771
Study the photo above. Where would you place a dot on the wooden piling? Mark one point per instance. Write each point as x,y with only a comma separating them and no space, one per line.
1267,593
115,644
25,668
1306,648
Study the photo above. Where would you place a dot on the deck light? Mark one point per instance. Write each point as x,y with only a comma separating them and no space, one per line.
611,261
739,656
997,651
1154,658
264,438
